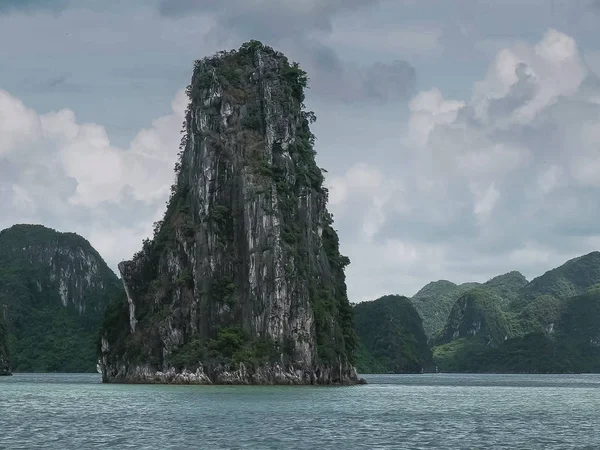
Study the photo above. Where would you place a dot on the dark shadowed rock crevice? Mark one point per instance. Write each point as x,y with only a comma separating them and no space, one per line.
243,281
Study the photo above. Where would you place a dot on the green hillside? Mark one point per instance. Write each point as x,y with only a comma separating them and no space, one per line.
391,336
434,303
572,278
478,313
54,289
549,325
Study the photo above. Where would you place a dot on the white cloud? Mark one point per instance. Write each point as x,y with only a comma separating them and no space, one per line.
523,80
85,153
485,201
62,173
429,109
585,163
492,158
550,178
532,254
366,186
18,124
122,241
507,180
359,179
22,201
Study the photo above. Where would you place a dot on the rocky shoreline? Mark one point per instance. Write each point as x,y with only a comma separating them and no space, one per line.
219,375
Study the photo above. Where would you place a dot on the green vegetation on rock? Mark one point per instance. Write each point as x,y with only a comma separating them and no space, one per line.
537,316
572,278
478,313
391,336
506,287
434,303
436,300
54,288
532,353
232,345
573,345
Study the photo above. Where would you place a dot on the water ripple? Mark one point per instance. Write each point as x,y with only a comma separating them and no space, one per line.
392,412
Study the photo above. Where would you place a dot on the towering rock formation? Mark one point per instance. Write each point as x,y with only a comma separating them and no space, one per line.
54,290
243,281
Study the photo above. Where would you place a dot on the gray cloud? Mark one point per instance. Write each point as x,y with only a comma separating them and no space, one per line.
58,81
347,82
520,93
507,180
390,81
7,6
267,19
54,84
289,25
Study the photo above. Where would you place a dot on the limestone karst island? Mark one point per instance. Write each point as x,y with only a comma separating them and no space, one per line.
243,281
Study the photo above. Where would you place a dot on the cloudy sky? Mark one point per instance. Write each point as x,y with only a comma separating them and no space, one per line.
461,139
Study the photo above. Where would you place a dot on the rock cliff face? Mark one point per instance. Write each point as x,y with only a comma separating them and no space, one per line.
54,290
243,281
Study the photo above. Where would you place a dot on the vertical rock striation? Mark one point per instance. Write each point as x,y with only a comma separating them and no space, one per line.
243,281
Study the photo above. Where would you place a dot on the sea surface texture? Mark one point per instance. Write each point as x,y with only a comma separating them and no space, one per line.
436,411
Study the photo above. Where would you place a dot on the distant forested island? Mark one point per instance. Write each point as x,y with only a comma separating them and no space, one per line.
52,311
54,291
506,325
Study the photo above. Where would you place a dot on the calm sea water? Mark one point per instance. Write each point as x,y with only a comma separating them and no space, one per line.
435,411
